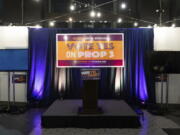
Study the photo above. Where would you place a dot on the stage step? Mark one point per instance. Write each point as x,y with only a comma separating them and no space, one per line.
64,114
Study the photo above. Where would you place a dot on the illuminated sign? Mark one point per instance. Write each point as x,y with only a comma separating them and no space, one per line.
90,50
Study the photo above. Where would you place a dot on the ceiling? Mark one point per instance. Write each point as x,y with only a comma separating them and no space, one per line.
43,11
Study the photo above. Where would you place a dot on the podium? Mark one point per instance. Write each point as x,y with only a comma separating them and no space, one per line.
91,79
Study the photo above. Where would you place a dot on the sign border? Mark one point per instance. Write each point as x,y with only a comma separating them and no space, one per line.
57,66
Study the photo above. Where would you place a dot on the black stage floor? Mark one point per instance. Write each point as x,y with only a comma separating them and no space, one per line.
64,113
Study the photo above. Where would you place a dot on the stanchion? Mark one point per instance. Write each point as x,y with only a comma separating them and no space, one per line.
164,103
9,89
12,108
167,92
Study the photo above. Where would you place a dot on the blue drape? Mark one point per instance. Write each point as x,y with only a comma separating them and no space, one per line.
138,41
138,80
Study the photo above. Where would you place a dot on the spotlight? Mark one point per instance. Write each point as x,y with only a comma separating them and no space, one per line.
119,20
99,14
173,25
135,24
86,5
51,23
72,7
37,0
123,5
149,26
92,13
70,19
108,39
37,26
65,37
155,25
10,24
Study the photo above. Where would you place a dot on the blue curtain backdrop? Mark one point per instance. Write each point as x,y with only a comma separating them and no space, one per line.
43,75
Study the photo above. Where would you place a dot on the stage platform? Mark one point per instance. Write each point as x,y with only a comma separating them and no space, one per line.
64,114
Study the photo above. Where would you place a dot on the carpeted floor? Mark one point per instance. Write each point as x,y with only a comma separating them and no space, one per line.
30,124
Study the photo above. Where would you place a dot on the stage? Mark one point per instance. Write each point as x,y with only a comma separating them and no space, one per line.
64,114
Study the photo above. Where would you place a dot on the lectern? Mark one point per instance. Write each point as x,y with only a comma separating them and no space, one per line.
90,79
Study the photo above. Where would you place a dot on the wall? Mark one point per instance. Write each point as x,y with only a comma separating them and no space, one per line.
20,89
13,38
173,88
168,39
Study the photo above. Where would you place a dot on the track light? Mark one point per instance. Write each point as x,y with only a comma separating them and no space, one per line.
135,24
173,25
123,5
92,13
51,23
155,25
10,24
98,14
37,0
72,7
119,20
65,37
70,19
37,26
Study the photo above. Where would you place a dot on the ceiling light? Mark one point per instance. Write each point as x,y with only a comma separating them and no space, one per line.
37,26
92,13
155,25
123,5
157,10
70,19
51,23
72,7
99,14
65,37
135,24
173,25
37,0
119,20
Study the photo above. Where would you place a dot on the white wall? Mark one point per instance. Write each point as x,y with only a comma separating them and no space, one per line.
173,88
165,39
13,37
168,39
20,89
